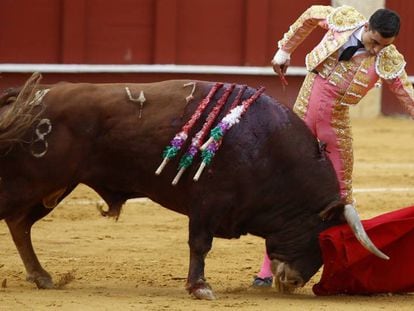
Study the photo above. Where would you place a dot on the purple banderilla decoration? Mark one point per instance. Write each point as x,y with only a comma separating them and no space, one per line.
177,142
217,133
192,151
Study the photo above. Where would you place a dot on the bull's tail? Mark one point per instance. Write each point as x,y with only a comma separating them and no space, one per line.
19,113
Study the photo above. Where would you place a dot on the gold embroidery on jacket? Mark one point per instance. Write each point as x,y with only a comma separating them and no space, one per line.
343,21
325,48
301,28
360,83
389,63
345,18
301,104
342,127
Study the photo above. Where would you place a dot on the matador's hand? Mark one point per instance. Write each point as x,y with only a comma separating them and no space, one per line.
280,63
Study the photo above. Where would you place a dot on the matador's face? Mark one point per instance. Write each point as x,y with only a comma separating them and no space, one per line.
373,41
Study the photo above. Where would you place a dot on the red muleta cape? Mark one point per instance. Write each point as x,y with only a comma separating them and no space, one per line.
350,269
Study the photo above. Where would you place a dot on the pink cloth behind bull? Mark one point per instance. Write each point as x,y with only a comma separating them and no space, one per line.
350,269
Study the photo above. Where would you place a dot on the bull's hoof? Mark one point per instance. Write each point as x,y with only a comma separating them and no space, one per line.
201,290
204,293
41,281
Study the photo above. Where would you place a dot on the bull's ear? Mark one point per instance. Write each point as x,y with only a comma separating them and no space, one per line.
334,210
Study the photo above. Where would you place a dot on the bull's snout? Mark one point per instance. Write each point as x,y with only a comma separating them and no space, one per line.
287,279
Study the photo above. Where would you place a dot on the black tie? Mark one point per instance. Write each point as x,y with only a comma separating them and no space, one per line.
350,51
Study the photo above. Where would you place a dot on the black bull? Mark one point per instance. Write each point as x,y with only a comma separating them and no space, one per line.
269,177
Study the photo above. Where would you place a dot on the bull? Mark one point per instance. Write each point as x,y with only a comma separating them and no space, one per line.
269,178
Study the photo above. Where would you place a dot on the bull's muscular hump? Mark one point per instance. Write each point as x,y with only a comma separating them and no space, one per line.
268,176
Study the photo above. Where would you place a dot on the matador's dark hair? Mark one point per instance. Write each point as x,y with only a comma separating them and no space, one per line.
385,22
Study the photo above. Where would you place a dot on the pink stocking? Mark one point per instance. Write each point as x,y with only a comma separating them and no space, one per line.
265,270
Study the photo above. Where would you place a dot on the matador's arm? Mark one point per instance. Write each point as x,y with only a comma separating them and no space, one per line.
390,66
314,16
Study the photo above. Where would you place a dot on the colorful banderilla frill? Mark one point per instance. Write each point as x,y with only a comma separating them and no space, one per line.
177,142
197,140
217,133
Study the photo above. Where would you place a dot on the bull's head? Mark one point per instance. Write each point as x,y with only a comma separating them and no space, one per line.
295,271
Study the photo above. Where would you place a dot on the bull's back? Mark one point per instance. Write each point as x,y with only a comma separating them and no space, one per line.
118,139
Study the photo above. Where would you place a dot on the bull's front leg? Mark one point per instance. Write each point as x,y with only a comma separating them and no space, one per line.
200,241
20,229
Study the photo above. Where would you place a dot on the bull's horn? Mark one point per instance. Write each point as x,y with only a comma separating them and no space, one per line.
355,223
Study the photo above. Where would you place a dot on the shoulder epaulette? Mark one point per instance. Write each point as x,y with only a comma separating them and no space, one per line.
389,63
345,18
318,11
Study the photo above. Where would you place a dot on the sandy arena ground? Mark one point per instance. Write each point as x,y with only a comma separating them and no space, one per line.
140,262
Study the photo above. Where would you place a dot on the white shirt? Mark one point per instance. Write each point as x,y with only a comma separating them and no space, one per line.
353,40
